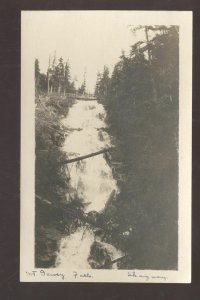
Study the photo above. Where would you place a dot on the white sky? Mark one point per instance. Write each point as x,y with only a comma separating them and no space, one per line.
88,39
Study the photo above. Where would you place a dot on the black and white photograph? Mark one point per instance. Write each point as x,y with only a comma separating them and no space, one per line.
106,146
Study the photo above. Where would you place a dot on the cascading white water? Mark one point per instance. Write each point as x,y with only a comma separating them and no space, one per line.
92,178
75,249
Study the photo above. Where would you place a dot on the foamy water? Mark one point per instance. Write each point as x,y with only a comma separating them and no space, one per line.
75,249
91,178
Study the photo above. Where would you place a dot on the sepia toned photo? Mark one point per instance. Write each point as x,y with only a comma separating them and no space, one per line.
106,146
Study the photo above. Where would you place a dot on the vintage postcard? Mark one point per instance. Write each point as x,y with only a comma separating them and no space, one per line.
106,120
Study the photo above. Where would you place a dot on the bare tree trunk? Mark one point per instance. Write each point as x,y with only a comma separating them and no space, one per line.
48,81
86,156
59,89
147,38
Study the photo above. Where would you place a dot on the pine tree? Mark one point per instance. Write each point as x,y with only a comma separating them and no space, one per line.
67,84
82,89
96,93
102,84
61,75
40,79
37,75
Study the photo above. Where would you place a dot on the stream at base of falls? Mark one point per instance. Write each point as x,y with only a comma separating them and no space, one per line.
93,182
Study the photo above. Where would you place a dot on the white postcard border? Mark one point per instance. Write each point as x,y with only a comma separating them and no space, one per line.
27,271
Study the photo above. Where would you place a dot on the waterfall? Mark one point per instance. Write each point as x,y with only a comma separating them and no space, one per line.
91,178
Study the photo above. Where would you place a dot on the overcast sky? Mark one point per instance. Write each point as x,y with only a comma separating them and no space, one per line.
88,39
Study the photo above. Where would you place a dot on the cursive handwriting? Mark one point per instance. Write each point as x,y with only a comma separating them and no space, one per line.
50,274
44,273
145,276
81,275
77,275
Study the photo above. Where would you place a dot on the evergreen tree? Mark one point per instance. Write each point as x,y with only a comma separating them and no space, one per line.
67,83
102,84
37,75
43,83
72,88
146,135
82,89
40,79
96,92
61,75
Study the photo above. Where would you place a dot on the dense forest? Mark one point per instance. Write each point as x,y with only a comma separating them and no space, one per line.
57,79
52,186
141,100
